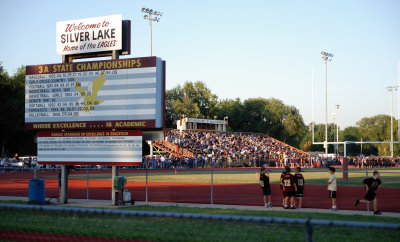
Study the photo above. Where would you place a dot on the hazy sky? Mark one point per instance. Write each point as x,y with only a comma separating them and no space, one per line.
241,48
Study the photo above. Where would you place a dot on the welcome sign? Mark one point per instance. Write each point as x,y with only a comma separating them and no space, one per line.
89,35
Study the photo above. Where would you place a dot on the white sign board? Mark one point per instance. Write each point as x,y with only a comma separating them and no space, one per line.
89,35
90,148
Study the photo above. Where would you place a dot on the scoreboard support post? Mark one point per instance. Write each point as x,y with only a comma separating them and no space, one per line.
64,175
114,194
64,185
114,169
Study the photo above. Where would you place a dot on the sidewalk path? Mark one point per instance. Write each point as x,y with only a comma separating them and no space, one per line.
91,203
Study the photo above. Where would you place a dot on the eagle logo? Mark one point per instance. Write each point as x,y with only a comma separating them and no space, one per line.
90,96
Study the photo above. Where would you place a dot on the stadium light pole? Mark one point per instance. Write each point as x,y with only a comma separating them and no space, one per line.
391,89
326,57
334,124
337,127
398,105
148,16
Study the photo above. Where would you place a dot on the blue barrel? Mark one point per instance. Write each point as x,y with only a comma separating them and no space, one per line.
36,191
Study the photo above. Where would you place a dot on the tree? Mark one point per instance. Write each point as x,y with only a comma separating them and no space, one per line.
12,97
262,115
351,133
193,100
202,96
377,128
232,109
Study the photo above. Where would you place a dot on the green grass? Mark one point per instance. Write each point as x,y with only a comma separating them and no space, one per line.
172,229
390,177
282,214
14,201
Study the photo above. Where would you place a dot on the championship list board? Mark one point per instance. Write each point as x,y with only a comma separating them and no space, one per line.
107,94
122,148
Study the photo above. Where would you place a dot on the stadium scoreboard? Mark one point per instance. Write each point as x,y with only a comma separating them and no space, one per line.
107,94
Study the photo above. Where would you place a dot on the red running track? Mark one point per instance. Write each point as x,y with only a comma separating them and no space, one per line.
315,196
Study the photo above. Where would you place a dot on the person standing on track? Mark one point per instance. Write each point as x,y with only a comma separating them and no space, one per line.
281,186
371,185
332,187
289,189
299,179
265,186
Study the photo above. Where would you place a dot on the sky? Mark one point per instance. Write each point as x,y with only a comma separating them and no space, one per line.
244,49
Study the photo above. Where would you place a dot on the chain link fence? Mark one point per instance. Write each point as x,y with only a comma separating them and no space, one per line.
235,186
50,223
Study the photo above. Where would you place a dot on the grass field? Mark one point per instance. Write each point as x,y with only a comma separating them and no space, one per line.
172,229
390,177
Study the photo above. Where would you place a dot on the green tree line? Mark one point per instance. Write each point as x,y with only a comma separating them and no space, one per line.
13,138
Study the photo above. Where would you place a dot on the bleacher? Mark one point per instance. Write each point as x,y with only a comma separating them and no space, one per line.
226,148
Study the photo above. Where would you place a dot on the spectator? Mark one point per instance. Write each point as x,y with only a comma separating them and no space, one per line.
226,149
265,186
332,187
299,179
289,189
16,157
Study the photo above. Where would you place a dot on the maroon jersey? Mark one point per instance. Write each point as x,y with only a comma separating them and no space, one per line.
282,175
288,182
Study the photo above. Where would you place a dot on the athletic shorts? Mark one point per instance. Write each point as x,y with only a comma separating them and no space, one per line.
370,195
289,194
299,192
332,194
266,190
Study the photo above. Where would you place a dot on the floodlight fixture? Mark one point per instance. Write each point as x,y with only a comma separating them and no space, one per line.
326,56
148,16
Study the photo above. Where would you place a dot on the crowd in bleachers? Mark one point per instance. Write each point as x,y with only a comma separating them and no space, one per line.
357,161
223,149
375,162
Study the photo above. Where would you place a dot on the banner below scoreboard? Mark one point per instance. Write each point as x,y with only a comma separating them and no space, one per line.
121,148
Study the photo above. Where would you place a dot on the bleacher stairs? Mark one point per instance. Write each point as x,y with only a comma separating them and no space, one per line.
172,149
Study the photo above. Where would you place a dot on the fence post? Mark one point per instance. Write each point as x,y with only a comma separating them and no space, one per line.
309,230
147,182
34,172
87,183
366,176
212,185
